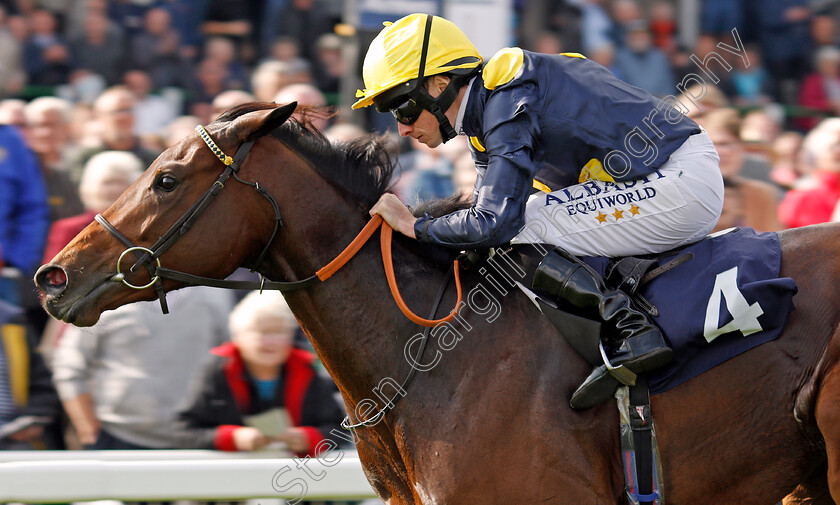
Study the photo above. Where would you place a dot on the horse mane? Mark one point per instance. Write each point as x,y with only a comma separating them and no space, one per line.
443,206
363,167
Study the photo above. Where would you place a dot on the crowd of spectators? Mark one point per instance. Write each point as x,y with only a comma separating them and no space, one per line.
92,91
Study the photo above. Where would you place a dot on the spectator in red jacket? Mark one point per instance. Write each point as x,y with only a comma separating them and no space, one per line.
258,389
814,197
106,176
821,90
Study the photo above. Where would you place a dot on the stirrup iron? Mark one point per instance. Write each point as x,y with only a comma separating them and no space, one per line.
620,372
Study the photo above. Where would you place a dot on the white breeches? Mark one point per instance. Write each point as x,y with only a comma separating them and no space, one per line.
678,204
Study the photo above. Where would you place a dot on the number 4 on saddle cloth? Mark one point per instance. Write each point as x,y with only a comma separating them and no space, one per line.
724,300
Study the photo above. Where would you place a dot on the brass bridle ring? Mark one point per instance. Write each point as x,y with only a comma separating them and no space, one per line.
122,279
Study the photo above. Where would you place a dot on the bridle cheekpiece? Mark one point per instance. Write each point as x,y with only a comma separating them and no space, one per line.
150,257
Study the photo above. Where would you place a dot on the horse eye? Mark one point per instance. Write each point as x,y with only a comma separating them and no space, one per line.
167,182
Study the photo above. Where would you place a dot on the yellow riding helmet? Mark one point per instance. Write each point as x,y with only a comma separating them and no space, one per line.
394,55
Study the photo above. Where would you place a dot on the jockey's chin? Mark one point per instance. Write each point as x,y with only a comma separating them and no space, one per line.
431,137
433,141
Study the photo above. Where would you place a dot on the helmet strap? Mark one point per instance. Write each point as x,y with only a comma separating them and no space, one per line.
438,107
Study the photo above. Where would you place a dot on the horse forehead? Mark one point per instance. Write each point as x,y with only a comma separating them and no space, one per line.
223,134
190,152
196,152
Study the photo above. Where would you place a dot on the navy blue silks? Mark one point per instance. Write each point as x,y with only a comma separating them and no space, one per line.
705,289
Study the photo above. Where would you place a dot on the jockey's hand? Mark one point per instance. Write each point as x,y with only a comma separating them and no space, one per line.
395,213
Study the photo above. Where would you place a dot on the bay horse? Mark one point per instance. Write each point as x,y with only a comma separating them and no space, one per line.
491,422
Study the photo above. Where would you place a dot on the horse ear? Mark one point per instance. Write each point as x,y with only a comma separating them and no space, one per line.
256,125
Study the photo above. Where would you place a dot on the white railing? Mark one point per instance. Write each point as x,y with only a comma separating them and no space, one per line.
70,476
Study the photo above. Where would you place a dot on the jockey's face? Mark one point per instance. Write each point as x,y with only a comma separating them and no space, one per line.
427,128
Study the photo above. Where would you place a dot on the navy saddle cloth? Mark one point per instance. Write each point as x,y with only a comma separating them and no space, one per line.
726,300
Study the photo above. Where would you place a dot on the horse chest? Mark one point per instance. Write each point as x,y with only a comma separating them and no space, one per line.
427,496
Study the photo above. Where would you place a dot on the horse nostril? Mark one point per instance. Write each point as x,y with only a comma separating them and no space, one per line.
56,277
51,279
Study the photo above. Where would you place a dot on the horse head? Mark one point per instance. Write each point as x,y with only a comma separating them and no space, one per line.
91,273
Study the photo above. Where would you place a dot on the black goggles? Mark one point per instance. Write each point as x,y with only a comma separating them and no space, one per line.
407,111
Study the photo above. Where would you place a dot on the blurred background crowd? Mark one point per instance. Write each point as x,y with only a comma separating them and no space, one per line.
91,91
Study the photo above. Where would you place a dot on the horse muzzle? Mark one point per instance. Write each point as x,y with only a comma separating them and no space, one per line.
68,297
51,280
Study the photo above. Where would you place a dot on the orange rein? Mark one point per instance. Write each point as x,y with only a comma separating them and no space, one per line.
385,241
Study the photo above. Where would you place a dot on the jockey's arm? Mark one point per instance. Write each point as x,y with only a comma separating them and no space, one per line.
511,126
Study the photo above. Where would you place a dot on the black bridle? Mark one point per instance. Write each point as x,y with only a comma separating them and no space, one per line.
150,257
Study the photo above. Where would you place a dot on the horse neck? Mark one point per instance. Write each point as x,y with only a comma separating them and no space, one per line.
355,327
351,319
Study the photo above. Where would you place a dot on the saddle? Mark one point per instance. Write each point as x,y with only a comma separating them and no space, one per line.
713,299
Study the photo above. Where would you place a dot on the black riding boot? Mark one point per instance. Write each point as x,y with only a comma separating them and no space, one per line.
630,339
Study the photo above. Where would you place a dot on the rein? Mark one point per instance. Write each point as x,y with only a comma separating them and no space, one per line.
150,257
399,393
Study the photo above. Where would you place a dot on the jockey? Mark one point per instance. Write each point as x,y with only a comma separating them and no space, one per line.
566,154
